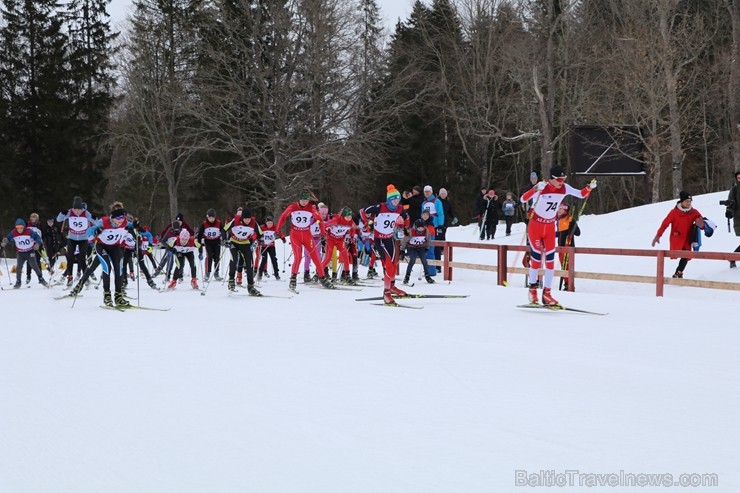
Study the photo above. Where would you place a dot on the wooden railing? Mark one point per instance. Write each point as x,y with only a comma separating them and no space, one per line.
503,269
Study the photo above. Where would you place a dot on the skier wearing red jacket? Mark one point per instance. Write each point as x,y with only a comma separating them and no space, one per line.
337,229
546,197
681,219
302,214
390,217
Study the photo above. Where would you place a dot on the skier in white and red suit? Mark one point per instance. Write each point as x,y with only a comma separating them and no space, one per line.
183,247
546,197
302,214
337,230
389,217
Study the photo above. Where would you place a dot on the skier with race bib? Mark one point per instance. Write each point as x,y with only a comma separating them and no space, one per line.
107,234
390,219
78,221
541,231
302,214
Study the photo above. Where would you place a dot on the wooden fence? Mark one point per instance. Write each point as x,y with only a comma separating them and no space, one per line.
503,269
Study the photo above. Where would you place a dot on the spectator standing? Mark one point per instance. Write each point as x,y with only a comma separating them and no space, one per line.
479,207
733,210
509,209
681,219
488,231
441,231
567,230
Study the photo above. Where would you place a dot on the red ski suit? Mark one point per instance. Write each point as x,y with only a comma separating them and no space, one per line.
301,218
541,227
336,233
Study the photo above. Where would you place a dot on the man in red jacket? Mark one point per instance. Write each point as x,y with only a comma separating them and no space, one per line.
681,219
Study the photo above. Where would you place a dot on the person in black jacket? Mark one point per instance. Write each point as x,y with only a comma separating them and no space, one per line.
479,207
412,202
53,242
567,230
490,213
732,210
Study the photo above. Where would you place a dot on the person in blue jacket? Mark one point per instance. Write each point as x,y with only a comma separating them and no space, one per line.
27,243
434,206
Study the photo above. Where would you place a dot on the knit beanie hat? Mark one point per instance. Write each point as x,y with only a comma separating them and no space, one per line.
20,222
392,193
77,203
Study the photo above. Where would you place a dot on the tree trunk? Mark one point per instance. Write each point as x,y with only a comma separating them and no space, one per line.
674,115
733,8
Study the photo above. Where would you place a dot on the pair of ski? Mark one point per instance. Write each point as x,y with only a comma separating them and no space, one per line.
410,296
559,308
234,294
134,307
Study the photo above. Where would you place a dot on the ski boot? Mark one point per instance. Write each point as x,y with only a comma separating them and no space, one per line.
206,277
371,273
28,280
259,277
217,277
395,291
92,276
429,279
232,286
388,297
107,299
239,278
334,276
306,276
152,284
547,298
733,265
355,276
76,290
121,301
172,285
252,290
406,280
345,279
678,274
277,276
194,283
326,282
292,282
17,284
69,280
533,294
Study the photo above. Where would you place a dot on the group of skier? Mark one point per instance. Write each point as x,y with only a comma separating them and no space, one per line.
384,231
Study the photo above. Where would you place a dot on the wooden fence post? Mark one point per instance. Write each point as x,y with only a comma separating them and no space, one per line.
660,273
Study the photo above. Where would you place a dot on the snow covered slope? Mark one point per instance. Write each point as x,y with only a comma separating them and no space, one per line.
320,393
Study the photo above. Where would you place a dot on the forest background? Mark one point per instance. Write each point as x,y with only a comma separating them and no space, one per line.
220,103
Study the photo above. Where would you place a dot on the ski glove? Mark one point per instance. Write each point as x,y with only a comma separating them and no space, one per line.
541,186
656,240
593,184
283,239
36,246
4,242
200,255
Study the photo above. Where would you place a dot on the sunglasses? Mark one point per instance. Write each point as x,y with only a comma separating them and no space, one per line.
119,218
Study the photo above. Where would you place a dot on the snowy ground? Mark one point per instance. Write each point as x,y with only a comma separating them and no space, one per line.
320,393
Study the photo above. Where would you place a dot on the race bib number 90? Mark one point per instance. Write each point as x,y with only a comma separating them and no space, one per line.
385,222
